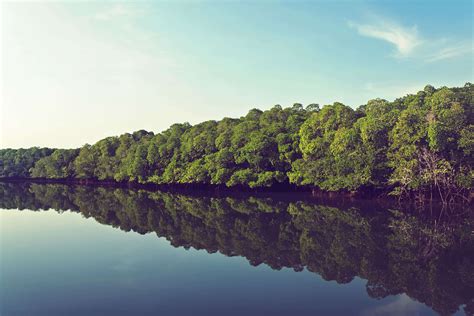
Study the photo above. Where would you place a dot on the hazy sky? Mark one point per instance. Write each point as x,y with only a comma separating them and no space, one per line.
76,72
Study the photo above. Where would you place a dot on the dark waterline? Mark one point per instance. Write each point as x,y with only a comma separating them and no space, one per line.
240,255
213,189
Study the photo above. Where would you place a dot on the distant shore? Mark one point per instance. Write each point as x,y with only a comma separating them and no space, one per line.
419,147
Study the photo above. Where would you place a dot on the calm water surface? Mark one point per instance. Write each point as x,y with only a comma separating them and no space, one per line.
106,251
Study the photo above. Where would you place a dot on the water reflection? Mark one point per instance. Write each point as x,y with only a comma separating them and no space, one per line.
426,258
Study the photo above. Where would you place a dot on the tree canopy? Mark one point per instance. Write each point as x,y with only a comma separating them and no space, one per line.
421,142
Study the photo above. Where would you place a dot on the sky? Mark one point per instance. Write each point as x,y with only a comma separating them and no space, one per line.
74,72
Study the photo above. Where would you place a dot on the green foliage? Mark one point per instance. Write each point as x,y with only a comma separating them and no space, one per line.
59,165
18,162
331,147
466,140
433,124
380,144
86,162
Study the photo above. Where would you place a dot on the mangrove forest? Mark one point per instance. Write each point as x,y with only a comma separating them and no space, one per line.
419,145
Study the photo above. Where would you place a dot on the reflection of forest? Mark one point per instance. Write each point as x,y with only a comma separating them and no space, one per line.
430,260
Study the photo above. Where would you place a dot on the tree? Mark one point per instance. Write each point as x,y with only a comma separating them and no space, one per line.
86,162
59,165
382,145
316,136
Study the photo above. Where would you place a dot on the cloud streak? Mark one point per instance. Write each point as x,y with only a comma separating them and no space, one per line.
451,52
404,39
409,42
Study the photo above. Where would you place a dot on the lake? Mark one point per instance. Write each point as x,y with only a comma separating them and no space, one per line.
83,250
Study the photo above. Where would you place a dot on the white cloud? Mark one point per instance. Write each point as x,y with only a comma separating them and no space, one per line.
410,43
405,39
451,52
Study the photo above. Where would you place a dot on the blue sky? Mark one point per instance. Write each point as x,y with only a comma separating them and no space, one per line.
75,72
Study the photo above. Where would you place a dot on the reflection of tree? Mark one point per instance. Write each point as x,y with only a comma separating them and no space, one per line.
431,261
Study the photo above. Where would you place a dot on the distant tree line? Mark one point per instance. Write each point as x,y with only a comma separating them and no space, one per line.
422,143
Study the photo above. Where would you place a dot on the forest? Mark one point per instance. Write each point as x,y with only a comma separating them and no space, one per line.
426,256
418,145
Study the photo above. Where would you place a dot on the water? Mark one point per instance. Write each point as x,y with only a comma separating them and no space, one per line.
75,250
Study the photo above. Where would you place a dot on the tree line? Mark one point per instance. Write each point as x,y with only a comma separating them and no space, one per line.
421,143
429,258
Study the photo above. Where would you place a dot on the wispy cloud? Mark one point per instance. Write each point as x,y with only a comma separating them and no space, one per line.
451,52
116,11
409,42
405,39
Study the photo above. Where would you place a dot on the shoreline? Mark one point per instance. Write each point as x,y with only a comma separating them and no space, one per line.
287,190
276,188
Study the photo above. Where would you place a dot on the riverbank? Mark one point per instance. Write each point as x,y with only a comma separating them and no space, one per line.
367,193
283,189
